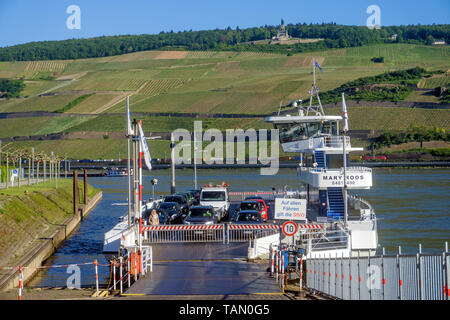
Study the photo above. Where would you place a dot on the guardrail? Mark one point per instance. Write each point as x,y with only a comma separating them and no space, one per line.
184,233
385,277
124,271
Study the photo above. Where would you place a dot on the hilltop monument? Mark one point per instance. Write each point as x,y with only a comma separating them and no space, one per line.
282,34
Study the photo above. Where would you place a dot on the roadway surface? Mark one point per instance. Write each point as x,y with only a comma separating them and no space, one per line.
215,269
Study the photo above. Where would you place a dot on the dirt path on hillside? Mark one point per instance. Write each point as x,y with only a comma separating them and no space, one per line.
118,99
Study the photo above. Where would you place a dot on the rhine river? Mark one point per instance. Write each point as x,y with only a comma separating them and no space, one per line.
412,207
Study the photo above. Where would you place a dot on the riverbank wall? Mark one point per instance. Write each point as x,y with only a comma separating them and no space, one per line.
46,247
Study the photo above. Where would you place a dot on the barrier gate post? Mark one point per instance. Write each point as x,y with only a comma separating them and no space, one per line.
121,275
114,274
96,275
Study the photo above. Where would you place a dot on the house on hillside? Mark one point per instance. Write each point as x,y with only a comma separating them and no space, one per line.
439,43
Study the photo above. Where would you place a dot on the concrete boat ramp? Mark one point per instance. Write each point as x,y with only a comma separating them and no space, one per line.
197,269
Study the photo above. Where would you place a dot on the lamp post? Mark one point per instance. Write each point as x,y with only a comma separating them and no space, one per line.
154,183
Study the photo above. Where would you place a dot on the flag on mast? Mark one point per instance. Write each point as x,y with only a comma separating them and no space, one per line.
317,65
144,148
129,128
344,114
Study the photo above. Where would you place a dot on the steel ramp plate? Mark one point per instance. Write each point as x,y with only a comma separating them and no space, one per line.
199,251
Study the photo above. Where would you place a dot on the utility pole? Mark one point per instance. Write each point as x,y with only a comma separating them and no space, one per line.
172,156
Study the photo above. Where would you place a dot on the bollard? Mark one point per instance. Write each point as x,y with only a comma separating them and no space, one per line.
135,265
96,275
301,272
121,275
20,282
114,273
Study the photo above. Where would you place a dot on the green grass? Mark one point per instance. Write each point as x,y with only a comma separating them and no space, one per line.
28,213
21,126
392,118
38,103
59,124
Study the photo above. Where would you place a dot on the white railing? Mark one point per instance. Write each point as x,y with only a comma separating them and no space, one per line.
336,141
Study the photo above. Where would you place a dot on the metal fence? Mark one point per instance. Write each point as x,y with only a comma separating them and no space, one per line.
184,233
385,277
246,232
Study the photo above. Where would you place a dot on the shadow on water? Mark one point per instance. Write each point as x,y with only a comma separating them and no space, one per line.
411,204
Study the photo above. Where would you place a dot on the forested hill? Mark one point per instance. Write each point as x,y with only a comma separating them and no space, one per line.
333,35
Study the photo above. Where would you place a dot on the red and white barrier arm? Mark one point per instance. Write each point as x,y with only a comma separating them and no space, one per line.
183,227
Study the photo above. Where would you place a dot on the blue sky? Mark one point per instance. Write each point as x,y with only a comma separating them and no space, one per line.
24,21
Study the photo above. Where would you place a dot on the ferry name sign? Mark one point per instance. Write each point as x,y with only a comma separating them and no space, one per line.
290,209
323,179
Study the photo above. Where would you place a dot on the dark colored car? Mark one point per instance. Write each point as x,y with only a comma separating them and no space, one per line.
256,204
169,213
182,201
248,216
196,194
201,215
188,196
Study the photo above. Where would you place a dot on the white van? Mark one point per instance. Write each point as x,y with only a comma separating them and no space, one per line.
218,198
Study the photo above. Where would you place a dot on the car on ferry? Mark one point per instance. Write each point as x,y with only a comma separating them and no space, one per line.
169,213
248,217
201,215
188,196
196,194
182,201
217,197
256,204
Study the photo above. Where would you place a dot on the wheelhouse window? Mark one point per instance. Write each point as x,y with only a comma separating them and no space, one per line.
290,132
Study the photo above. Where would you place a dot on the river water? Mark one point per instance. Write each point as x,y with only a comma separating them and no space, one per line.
412,207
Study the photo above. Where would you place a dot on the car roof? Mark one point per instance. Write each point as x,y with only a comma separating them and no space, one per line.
249,211
249,201
203,207
171,203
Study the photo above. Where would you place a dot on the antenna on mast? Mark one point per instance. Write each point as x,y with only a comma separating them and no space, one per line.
317,110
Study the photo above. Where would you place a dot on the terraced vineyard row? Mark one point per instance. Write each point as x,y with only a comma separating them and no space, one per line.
155,87
432,83
45,66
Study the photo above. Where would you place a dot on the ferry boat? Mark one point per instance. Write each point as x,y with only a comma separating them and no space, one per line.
350,224
116,172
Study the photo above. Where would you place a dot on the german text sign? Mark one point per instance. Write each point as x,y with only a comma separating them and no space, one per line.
290,209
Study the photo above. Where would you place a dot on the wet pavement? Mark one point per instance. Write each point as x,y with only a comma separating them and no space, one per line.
204,269
206,278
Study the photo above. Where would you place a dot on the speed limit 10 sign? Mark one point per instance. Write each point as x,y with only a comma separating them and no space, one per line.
289,228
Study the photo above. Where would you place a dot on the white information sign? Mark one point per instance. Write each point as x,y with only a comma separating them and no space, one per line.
290,209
